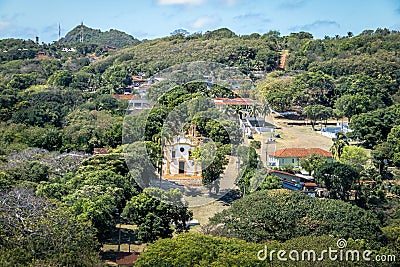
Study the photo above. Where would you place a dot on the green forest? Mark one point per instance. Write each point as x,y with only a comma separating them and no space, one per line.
60,202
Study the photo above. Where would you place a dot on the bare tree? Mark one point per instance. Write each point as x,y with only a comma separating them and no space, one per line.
43,231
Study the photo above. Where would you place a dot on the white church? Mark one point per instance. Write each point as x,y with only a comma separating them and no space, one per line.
178,161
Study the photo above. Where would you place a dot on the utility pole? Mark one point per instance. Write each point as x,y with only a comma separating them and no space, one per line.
160,164
119,237
119,230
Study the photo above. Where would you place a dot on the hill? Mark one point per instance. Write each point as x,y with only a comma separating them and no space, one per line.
95,36
248,53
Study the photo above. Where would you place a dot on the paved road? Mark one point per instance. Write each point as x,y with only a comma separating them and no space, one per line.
267,147
197,195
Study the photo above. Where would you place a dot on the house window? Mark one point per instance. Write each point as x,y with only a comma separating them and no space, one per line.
292,160
283,161
173,154
182,149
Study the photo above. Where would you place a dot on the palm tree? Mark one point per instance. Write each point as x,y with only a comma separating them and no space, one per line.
338,144
161,139
253,111
264,109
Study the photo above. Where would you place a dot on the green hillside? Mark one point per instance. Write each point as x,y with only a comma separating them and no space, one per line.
94,36
248,53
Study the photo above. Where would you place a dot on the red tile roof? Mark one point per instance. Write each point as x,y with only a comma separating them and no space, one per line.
138,79
234,101
281,172
101,150
310,184
300,152
126,258
367,181
42,55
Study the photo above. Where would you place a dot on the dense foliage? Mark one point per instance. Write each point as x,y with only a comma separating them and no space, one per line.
256,53
153,216
283,215
194,249
35,231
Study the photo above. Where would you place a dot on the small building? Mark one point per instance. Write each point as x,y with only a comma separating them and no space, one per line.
299,183
139,103
92,57
310,188
292,156
65,49
289,180
258,124
42,55
108,48
178,161
125,96
138,81
331,132
101,150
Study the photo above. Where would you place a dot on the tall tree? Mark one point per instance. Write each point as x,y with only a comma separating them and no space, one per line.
351,105
60,78
154,210
354,156
213,161
283,215
314,113
338,179
312,162
35,231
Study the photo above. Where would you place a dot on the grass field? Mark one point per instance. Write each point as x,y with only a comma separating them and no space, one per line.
298,136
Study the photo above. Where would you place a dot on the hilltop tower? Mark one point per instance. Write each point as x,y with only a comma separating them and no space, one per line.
81,34
59,33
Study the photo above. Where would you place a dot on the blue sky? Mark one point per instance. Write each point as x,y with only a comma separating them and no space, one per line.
156,18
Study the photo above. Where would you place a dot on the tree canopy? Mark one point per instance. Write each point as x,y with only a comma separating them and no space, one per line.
35,231
283,215
195,249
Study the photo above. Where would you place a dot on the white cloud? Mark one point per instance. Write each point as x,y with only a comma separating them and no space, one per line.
315,25
293,4
4,24
204,22
230,2
248,16
180,2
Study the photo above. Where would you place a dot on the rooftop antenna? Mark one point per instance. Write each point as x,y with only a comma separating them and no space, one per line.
81,35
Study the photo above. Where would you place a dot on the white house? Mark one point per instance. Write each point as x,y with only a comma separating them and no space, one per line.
292,156
138,103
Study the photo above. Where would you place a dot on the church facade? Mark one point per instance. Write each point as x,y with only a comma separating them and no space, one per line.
178,161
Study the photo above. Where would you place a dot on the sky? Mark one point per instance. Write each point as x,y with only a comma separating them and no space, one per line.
150,19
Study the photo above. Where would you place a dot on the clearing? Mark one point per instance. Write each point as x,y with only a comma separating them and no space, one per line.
298,135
